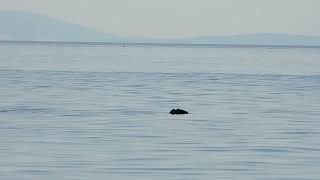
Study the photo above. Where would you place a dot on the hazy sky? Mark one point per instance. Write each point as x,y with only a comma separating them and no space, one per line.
169,18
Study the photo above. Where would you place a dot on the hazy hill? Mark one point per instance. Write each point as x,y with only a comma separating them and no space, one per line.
24,26
258,39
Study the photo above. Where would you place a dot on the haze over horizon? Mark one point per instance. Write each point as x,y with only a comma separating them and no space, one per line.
178,18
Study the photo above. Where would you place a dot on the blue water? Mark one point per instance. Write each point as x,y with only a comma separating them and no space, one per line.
83,111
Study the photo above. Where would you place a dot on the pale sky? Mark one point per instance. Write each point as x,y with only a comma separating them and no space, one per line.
177,18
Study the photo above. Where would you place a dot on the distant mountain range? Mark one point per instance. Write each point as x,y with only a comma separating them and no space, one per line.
25,26
259,39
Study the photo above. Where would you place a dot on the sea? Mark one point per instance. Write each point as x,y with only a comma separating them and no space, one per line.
79,111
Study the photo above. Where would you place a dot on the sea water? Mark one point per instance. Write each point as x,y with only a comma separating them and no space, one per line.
75,111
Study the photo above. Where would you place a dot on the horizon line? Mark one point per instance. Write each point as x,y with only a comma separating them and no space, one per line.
102,43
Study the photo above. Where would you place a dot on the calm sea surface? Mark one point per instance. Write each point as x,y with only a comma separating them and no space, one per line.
89,111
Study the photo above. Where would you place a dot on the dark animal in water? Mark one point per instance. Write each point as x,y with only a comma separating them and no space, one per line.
178,111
